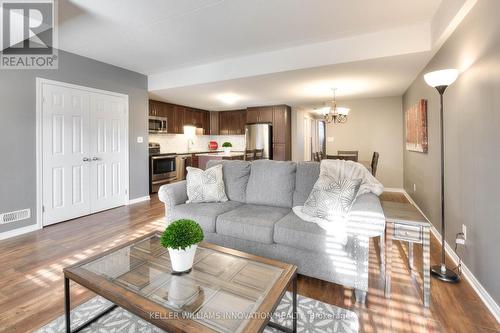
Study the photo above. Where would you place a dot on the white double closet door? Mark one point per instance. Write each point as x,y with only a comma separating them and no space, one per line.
84,143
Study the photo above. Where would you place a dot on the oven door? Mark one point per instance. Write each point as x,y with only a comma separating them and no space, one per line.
163,171
157,124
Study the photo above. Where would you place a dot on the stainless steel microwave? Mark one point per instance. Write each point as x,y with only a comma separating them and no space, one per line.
158,124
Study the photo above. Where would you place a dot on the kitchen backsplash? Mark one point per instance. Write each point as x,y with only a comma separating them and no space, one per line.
178,143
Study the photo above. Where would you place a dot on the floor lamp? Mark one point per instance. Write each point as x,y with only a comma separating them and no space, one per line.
441,80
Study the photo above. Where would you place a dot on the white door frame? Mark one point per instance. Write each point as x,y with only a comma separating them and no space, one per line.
39,135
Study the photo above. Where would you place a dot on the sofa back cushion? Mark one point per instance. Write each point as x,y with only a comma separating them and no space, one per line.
235,175
306,176
271,183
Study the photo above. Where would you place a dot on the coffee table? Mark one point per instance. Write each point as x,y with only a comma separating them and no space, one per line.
226,291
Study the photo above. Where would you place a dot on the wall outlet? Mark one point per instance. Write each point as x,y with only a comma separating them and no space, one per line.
464,231
140,139
414,187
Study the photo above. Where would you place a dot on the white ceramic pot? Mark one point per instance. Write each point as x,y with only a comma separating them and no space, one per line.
182,260
227,150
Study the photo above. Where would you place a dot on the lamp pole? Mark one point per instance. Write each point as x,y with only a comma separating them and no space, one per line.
441,272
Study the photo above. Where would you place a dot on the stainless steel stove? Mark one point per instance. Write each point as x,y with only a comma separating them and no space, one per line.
162,168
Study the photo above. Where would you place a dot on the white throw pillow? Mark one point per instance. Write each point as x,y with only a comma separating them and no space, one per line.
331,198
205,186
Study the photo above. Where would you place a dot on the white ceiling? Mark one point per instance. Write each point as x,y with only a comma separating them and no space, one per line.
255,52
306,87
157,35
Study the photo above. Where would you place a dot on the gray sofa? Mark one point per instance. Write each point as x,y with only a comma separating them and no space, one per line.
258,219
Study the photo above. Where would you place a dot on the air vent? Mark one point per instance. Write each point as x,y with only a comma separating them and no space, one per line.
18,215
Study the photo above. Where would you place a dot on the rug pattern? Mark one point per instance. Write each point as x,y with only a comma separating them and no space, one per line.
313,317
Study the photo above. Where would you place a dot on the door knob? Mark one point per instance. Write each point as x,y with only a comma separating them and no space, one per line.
86,159
95,158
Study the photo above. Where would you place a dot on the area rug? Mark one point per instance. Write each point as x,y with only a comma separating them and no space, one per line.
313,317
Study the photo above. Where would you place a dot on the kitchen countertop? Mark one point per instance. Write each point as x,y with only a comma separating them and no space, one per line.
222,154
207,152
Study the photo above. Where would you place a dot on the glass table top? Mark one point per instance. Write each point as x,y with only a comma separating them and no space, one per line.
221,291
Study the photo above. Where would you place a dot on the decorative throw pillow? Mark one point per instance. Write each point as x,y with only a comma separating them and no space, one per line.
331,198
205,186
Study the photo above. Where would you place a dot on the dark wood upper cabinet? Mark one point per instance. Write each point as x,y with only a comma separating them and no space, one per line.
260,114
232,122
266,114
206,123
281,124
223,123
214,123
252,115
179,115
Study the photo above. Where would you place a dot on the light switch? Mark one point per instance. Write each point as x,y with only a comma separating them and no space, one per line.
140,139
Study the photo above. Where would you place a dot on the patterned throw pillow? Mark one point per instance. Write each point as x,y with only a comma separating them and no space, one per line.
205,186
331,198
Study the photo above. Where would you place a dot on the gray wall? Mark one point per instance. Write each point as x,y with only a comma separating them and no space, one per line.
374,124
472,141
17,126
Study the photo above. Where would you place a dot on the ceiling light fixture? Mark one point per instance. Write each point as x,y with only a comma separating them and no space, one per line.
229,98
337,115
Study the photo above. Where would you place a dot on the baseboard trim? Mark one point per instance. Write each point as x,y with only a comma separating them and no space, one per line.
18,231
466,273
137,200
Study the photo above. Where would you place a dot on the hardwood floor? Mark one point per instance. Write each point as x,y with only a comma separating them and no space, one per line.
31,285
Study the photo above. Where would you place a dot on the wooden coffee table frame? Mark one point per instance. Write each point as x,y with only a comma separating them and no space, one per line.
143,307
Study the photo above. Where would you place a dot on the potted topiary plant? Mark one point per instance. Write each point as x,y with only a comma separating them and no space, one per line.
227,147
181,238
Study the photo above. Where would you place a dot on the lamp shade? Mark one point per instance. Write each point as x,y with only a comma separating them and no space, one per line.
443,77
343,111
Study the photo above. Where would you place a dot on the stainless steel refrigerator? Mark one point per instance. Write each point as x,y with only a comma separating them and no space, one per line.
260,136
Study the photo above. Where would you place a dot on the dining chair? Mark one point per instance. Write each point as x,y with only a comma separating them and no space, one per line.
349,152
374,163
259,153
249,154
343,157
316,157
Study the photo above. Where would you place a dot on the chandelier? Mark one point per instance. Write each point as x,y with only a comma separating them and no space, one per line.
335,114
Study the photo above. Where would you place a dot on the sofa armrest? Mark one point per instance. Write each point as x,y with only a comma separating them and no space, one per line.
173,194
366,217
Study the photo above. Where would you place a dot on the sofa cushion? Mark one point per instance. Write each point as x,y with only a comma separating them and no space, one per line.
306,176
235,175
331,198
250,222
271,183
204,213
205,185
295,232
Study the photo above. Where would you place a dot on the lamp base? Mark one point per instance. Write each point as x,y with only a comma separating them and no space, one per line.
447,275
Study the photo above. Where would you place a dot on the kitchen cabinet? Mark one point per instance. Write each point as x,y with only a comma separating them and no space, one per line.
206,123
259,114
179,115
281,124
279,152
214,123
232,122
